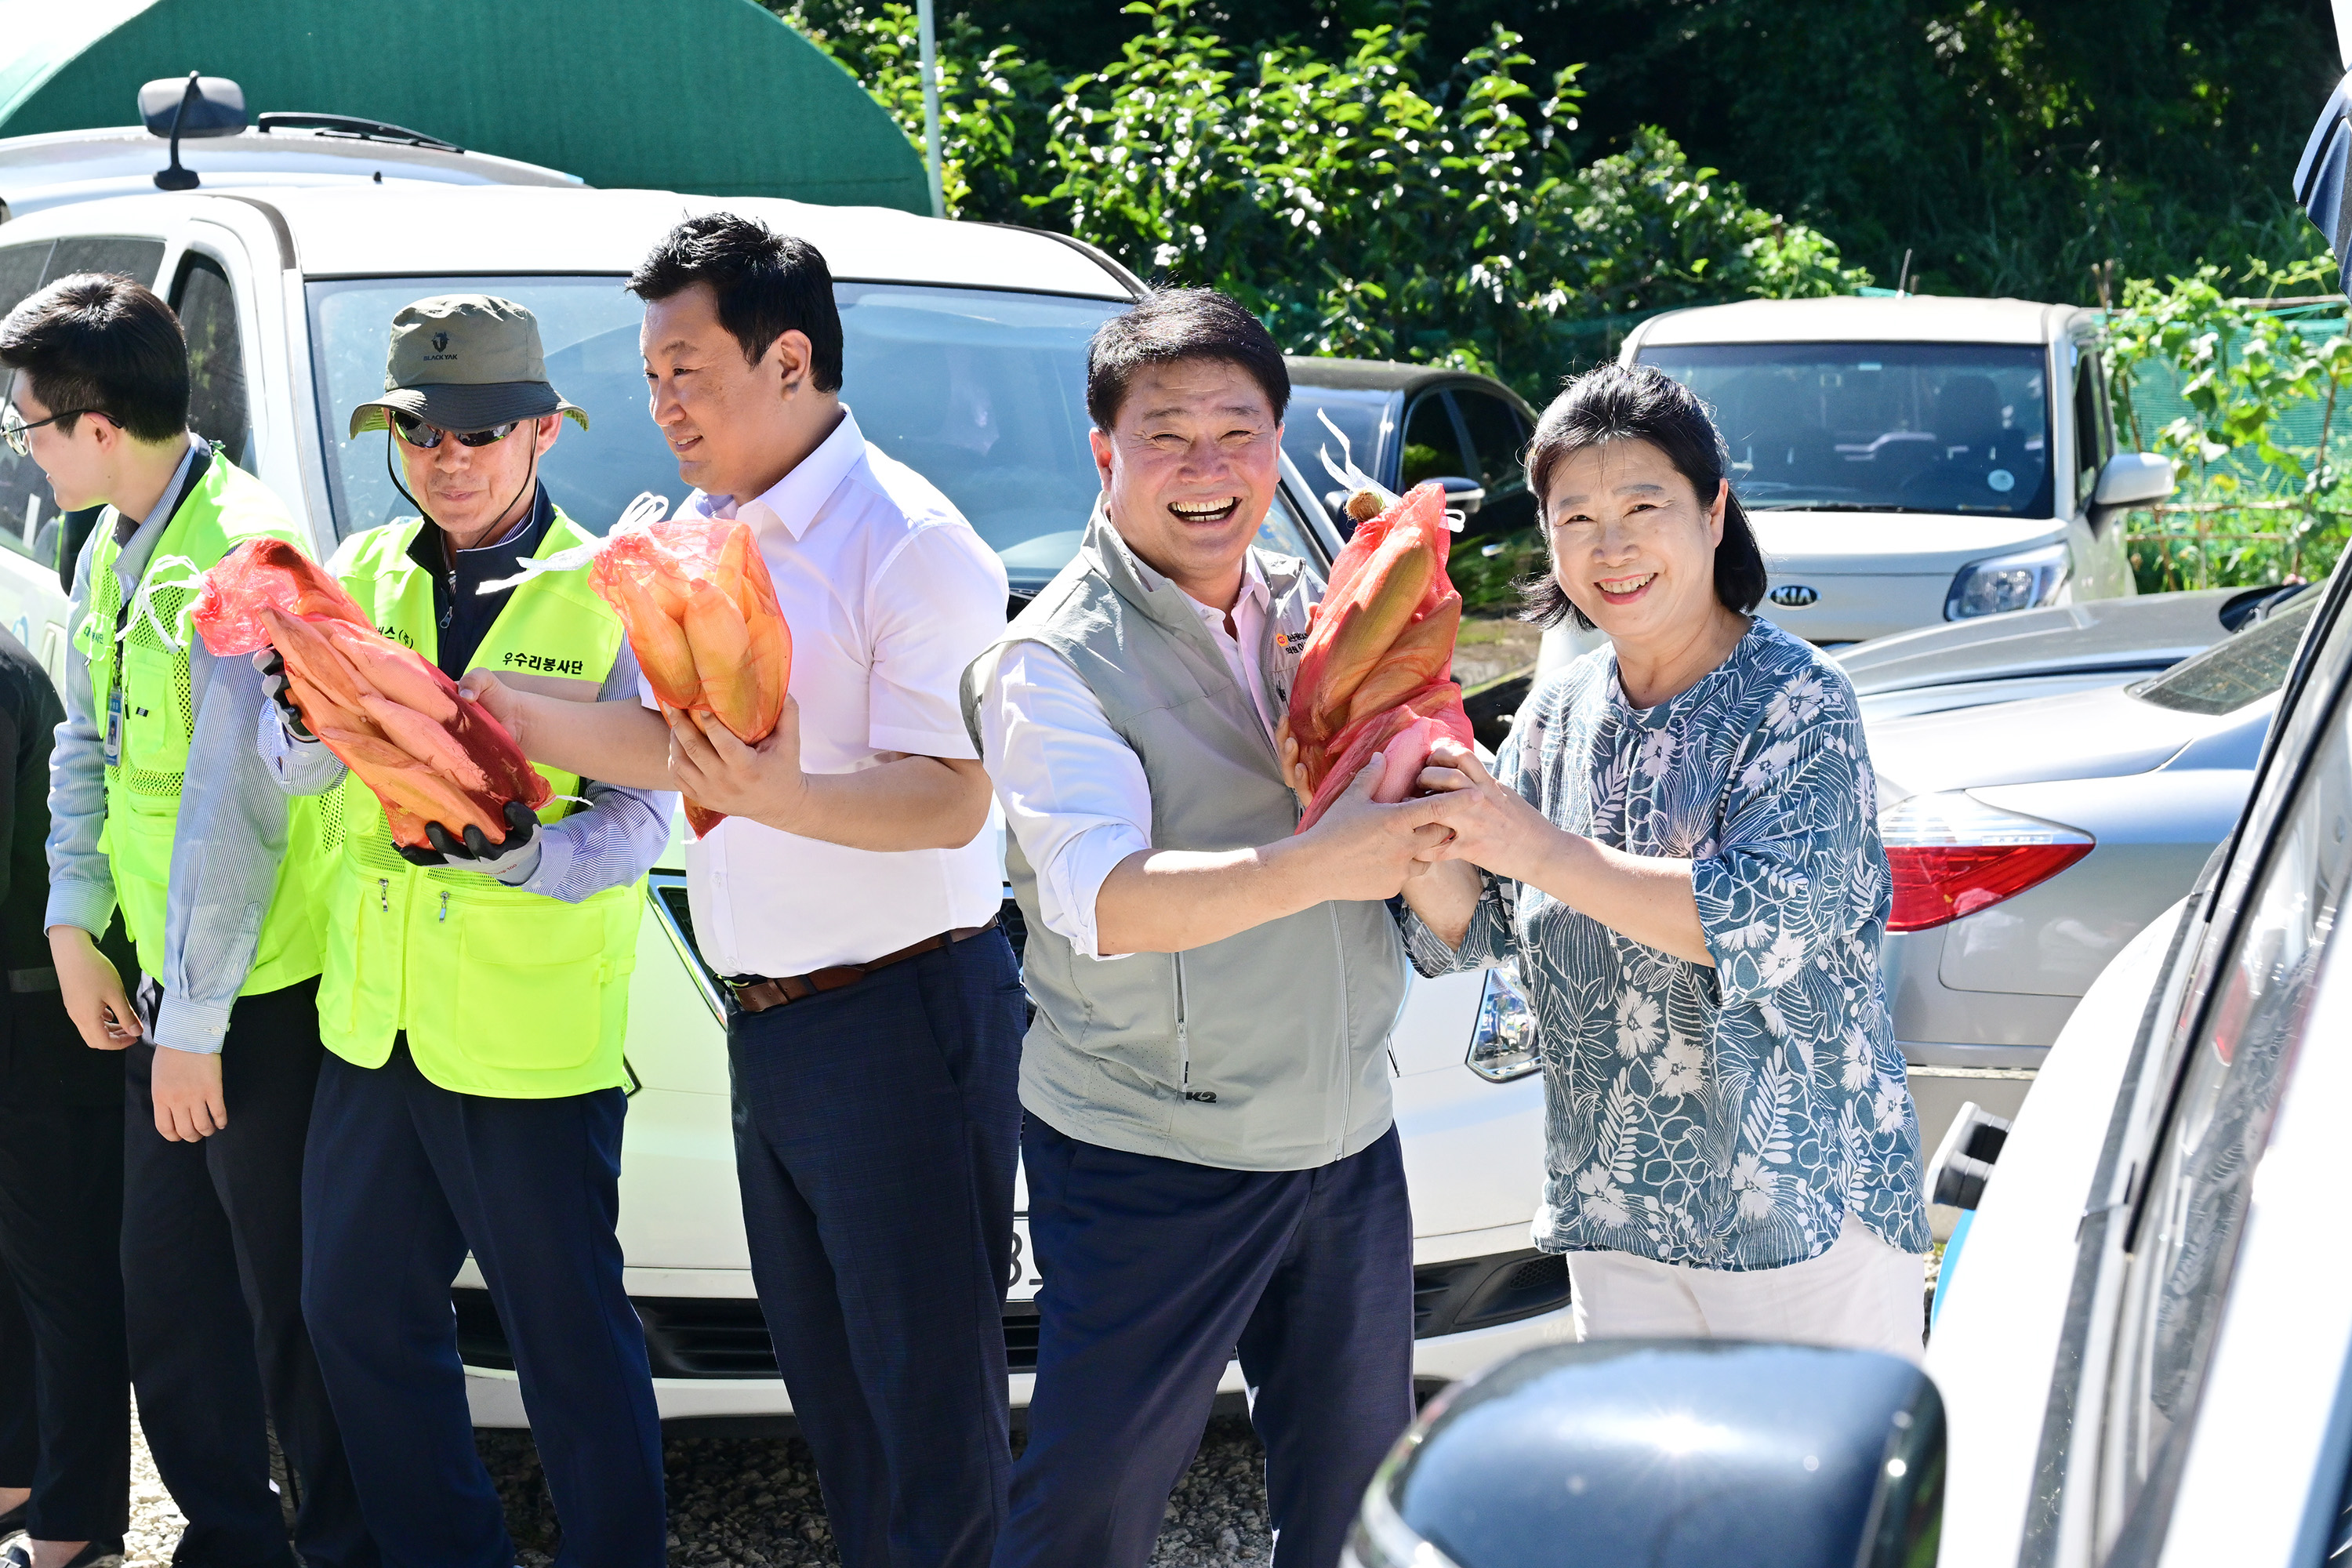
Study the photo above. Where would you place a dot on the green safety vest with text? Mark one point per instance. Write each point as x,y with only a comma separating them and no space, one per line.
140,661
500,992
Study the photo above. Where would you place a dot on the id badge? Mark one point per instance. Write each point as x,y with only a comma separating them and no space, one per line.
114,728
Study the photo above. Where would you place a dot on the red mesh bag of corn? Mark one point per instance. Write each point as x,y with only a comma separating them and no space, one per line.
429,754
700,610
1376,674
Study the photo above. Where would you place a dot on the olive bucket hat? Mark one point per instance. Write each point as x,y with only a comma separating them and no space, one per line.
464,361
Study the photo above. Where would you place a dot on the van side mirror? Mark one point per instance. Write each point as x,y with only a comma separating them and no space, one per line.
1669,1453
2129,480
190,105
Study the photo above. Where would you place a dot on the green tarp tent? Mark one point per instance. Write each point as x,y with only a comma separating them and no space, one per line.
714,97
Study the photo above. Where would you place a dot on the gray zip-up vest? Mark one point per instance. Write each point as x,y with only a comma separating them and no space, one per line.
1267,1051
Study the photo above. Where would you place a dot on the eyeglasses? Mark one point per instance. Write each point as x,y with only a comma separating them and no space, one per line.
15,429
426,437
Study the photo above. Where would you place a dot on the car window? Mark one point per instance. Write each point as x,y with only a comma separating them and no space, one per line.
1433,447
1896,427
28,515
2193,1202
1364,417
2236,670
2093,442
132,256
1498,440
217,401
981,392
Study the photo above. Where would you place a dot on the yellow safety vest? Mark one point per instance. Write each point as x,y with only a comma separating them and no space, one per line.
501,993
140,660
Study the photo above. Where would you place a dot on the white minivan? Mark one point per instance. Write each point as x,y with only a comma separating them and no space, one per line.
964,357
1910,460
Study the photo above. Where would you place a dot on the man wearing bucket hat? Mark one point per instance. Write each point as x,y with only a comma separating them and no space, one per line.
475,996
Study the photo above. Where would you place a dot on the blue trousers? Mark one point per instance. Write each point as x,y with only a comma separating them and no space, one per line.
402,1179
876,1135
1156,1273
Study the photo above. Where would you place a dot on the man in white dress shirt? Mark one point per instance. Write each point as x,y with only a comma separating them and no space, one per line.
1212,1163
851,898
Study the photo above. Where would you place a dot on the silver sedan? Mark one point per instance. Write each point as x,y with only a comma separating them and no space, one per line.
2030,841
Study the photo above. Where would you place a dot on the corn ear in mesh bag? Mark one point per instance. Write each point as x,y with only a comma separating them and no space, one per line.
1377,671
700,611
428,753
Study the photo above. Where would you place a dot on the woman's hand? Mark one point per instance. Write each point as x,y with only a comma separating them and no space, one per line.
1492,827
1294,772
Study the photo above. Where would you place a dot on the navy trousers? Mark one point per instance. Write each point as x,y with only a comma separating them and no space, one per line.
876,1134
404,1178
65,1380
1156,1273
212,1295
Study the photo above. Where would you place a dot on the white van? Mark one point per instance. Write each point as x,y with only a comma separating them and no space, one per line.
965,347
1911,461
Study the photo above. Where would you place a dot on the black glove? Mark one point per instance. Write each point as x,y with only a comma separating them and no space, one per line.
474,851
274,684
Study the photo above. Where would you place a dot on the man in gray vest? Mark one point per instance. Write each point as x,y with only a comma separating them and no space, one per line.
1209,1146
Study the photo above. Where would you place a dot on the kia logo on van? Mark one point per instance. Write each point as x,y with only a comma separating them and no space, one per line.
1795,596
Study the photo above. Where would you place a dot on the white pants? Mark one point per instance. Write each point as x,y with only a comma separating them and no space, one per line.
1861,1293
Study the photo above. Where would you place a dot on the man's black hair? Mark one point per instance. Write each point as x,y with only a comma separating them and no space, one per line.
768,284
1641,403
1179,325
99,341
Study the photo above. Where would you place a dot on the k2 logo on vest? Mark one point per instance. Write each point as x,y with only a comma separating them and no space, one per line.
1795,596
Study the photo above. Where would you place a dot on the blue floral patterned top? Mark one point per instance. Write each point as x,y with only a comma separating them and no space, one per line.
1730,1117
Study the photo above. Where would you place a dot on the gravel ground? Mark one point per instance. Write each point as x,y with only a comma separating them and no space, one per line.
752,1502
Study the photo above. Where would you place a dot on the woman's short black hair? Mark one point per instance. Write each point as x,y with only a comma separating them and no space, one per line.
768,284
101,342
1616,403
1179,325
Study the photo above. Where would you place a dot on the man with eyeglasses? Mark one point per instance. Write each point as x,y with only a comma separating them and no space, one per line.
159,806
475,997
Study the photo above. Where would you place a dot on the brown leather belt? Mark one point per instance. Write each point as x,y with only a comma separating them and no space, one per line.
757,994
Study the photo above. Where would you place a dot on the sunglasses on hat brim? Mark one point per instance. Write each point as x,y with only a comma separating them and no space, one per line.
426,437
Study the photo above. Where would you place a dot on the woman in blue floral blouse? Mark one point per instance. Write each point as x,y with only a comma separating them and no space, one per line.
1679,846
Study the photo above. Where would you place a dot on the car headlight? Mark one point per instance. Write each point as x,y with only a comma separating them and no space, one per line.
1503,1044
2025,580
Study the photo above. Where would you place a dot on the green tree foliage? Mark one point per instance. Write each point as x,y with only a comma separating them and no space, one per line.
2248,401
1372,201
2010,146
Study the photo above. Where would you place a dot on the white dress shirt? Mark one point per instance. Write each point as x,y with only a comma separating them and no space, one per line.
1073,792
890,594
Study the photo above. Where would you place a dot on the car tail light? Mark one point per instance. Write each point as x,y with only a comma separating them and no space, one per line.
1953,855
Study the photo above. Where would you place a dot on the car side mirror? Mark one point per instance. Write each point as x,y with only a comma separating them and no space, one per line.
1669,1453
1465,496
2129,480
189,105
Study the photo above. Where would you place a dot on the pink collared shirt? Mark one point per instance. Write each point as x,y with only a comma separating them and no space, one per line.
890,594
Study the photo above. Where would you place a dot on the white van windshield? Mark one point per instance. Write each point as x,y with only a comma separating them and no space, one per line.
1915,427
982,392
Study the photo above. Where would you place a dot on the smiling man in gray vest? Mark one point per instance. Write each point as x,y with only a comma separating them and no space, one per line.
1209,1146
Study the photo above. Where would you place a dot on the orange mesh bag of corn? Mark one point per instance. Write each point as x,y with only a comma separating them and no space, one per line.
700,610
429,754
1376,674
